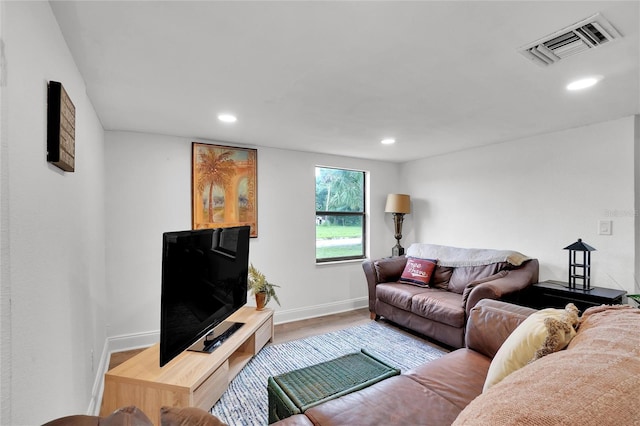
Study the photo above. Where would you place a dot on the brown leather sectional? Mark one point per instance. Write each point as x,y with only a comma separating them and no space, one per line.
593,381
434,393
440,311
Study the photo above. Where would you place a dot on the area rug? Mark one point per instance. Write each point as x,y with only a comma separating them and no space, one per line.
245,402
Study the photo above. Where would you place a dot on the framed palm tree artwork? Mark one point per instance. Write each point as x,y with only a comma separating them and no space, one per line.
223,187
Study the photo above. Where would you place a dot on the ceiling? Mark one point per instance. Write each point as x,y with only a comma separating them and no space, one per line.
336,77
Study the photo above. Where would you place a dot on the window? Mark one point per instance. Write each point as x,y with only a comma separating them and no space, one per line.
340,214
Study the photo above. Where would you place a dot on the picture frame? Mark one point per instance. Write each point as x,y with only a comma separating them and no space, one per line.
61,127
224,187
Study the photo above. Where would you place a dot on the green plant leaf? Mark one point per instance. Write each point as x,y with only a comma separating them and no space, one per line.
258,283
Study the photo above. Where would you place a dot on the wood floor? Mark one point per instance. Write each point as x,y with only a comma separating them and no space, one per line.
311,327
299,330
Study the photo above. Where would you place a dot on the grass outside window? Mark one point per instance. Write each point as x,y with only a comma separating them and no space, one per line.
340,214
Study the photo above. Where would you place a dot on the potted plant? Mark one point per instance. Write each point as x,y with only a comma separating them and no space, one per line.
261,288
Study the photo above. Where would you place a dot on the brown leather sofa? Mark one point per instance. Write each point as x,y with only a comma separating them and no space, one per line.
461,278
434,393
133,416
593,382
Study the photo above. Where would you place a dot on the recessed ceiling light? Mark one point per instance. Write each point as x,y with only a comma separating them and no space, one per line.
388,141
227,118
583,83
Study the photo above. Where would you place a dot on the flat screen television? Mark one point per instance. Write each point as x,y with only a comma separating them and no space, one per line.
204,281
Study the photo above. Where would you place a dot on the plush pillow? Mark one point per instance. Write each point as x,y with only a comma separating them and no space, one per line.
389,269
441,276
543,332
188,416
418,271
463,275
126,416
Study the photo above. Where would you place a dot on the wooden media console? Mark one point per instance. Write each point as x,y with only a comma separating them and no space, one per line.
192,379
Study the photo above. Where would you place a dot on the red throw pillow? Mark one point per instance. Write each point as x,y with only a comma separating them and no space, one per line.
418,271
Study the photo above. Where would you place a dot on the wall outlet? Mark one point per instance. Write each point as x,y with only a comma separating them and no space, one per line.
604,227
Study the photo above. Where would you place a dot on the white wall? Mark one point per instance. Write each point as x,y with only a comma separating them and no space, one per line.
5,288
58,292
149,192
53,231
636,288
536,196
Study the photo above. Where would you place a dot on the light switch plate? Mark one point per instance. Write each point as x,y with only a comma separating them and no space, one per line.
604,227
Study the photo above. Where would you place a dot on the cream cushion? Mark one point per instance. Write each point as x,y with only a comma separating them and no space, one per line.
532,339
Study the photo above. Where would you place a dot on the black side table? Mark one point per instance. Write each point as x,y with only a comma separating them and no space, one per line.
556,294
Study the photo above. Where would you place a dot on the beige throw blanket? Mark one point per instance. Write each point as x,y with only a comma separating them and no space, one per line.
594,382
457,257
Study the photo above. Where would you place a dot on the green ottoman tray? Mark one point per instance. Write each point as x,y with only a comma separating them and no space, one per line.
296,391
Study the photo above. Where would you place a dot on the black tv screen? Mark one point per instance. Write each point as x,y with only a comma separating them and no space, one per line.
204,281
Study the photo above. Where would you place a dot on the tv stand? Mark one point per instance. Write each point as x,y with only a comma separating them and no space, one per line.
192,379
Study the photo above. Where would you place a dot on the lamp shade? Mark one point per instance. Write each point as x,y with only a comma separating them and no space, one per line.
398,203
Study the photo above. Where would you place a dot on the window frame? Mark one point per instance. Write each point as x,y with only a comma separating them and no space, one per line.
362,214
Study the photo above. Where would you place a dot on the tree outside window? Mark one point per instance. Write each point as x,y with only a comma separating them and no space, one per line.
340,214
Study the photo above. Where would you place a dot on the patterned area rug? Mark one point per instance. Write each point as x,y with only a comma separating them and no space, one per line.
246,401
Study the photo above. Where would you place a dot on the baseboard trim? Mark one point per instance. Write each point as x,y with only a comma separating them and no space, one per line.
116,344
133,341
143,340
290,315
98,383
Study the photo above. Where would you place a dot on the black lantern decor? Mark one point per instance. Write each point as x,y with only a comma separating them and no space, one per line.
580,269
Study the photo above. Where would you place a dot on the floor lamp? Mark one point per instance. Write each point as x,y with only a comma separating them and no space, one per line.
398,205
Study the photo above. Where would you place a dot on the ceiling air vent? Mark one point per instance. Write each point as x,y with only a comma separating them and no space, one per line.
584,35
